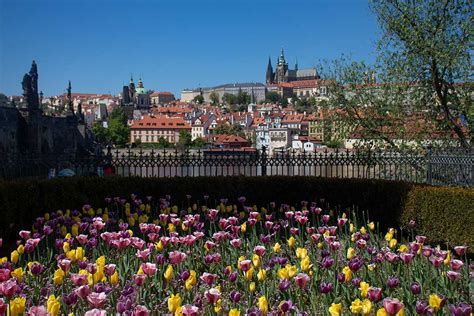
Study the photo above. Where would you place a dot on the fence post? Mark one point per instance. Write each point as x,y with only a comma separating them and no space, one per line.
429,166
264,161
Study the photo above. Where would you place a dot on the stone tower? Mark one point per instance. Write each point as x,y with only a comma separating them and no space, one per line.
282,69
269,75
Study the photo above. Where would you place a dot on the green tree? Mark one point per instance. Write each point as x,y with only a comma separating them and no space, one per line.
423,74
229,99
199,99
117,127
163,143
294,98
184,138
101,133
272,97
4,100
199,142
228,129
214,97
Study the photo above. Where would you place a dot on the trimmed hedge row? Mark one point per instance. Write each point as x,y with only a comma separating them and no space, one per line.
390,203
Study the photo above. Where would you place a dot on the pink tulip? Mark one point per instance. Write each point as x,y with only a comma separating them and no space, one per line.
82,239
79,279
212,295
391,257
189,310
361,243
212,214
427,251
176,257
109,269
301,280
316,237
96,312
460,250
143,254
3,307
141,311
392,305
341,221
209,244
189,240
420,239
406,257
137,243
83,291
259,250
208,278
236,243
456,264
96,300
8,288
1,242
25,234
139,279
244,265
453,276
436,261
36,311
4,274
65,264
143,227
149,268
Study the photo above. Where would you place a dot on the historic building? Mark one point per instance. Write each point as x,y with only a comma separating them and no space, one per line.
256,91
283,74
136,97
27,131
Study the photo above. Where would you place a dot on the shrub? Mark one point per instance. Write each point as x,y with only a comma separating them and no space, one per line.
445,215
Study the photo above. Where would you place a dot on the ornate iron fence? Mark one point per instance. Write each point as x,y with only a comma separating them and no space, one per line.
432,167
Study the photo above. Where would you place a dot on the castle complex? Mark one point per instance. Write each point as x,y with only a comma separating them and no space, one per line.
284,74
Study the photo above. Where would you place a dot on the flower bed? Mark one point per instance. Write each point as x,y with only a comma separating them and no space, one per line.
148,257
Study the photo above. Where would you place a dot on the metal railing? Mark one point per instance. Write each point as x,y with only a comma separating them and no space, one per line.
440,167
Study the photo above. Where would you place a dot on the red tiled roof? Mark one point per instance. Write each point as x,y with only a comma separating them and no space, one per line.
160,122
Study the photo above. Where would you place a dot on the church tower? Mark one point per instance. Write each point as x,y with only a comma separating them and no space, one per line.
282,69
269,75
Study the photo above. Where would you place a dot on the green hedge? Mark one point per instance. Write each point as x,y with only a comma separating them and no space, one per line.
388,202
445,215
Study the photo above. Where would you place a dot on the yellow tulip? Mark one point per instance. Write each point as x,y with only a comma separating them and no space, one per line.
372,266
291,241
356,307
58,277
66,247
114,278
393,243
305,264
335,309
403,248
252,287
261,275
17,306
243,227
351,227
3,260
191,281
381,312
263,305
447,261
174,302
371,225
249,274
363,287
277,248
283,273
171,227
292,270
75,230
350,252
256,260
388,236
218,306
301,253
20,249
53,306
18,274
366,307
363,230
435,302
347,273
234,312
159,246
79,256
130,232
168,273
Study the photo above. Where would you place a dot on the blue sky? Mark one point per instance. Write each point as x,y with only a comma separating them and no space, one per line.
173,44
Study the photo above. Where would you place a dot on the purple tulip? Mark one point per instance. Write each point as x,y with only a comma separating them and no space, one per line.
341,277
415,288
235,296
70,299
36,268
374,294
327,262
422,308
233,277
355,263
254,311
325,288
285,306
393,282
284,285
461,309
185,275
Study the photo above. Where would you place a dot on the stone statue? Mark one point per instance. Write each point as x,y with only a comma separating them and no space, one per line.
30,87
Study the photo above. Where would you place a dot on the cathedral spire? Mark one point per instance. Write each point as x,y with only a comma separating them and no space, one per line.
70,105
269,75
296,64
281,61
